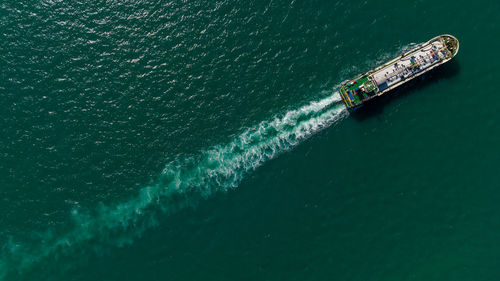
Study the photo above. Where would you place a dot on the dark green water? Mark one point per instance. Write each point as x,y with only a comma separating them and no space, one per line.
204,140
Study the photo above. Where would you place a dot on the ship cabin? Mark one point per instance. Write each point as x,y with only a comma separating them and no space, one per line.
357,91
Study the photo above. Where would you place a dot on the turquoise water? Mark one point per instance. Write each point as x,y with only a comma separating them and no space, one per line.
199,140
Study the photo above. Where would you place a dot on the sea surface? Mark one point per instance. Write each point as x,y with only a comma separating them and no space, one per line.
206,140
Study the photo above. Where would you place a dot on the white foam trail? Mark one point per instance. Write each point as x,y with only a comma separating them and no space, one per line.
183,182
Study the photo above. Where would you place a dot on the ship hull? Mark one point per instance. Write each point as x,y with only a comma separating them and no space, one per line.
398,71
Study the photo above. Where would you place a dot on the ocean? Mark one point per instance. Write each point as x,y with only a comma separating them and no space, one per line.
206,140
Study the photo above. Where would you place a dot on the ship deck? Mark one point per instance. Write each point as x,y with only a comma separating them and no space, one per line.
410,64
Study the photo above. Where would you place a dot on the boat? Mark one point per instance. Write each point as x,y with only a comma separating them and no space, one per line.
391,75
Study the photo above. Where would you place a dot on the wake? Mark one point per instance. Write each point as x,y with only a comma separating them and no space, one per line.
184,182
